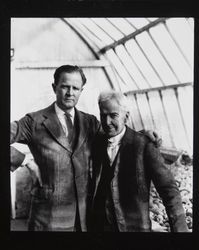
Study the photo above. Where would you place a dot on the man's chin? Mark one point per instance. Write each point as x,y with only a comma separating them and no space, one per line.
110,134
69,105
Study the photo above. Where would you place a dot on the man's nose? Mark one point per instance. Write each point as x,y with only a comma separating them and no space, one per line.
69,91
107,120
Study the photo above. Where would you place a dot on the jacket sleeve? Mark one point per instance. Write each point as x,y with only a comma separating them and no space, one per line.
152,136
16,158
166,187
21,131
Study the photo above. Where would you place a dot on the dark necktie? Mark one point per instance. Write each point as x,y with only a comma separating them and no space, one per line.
69,125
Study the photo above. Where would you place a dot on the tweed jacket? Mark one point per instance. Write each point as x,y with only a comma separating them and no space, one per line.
137,163
64,170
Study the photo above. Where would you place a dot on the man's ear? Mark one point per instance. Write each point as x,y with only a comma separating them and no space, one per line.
54,87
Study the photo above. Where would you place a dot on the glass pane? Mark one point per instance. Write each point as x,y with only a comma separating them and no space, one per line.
152,19
91,37
184,36
121,70
108,28
156,59
191,23
131,67
138,22
130,23
122,25
171,52
142,63
92,27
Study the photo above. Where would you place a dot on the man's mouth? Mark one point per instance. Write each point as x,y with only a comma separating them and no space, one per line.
68,99
109,128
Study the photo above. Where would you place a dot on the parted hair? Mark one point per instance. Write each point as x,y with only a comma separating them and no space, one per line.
68,69
116,96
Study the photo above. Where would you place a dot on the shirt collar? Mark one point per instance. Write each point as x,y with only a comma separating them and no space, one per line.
60,112
117,139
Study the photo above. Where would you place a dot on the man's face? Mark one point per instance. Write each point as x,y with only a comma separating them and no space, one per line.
68,90
113,118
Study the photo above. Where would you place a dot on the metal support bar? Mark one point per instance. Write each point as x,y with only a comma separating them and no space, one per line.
53,65
174,86
81,37
132,35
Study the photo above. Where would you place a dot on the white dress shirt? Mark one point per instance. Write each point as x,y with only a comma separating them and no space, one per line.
114,145
61,116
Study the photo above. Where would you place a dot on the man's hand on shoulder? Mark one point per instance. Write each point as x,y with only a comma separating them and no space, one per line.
153,136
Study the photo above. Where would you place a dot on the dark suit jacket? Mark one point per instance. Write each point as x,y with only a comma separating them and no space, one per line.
64,170
137,163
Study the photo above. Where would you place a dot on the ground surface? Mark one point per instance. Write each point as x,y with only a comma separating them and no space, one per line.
183,173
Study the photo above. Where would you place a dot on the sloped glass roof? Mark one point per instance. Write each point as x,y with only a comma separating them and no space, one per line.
144,52
149,59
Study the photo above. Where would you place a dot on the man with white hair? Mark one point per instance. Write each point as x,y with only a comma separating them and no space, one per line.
125,163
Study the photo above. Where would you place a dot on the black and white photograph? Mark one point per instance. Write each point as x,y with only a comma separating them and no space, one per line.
101,112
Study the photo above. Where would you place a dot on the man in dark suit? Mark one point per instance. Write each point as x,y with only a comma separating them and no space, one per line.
125,163
60,139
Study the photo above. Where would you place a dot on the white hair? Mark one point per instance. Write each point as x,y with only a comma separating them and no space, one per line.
118,97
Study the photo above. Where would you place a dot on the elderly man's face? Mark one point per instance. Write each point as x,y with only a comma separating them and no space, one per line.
113,118
68,90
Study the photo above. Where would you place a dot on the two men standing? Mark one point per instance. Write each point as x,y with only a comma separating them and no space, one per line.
67,144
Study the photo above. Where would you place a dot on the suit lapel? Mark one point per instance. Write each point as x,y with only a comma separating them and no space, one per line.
127,138
52,124
82,127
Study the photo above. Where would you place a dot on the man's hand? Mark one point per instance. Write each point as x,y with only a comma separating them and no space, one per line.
34,171
153,136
